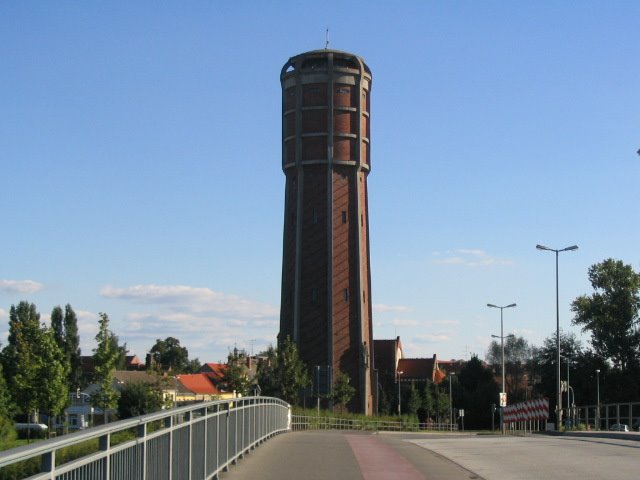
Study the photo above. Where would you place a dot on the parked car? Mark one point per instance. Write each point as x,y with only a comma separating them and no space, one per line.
619,427
31,430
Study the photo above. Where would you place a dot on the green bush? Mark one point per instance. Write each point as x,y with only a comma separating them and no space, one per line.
7,431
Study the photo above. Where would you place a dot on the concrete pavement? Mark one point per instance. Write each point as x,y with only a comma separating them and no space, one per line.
541,456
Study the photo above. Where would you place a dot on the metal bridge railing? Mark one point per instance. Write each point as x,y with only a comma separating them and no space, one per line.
300,422
194,442
608,414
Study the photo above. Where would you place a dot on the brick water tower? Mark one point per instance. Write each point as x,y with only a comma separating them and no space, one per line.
326,277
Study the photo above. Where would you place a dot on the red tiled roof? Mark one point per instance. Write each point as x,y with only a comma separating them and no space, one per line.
417,368
198,383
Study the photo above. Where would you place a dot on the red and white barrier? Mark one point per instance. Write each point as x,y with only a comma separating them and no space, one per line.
529,410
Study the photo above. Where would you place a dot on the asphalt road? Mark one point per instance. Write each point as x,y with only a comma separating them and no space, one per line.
404,456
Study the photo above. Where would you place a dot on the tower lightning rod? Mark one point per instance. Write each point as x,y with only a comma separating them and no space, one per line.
326,45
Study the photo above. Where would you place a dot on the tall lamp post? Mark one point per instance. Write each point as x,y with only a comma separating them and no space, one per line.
451,402
598,399
491,305
400,372
558,390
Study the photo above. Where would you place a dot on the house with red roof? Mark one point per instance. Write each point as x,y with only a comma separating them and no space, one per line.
197,387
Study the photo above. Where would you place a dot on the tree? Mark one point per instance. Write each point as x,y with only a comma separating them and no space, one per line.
72,346
544,367
610,314
427,406
57,325
169,355
120,362
283,374
237,376
39,372
6,408
517,356
342,392
105,356
65,333
139,398
415,400
193,366
52,393
441,405
477,391
24,321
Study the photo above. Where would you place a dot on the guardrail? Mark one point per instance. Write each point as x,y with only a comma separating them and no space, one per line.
300,422
193,442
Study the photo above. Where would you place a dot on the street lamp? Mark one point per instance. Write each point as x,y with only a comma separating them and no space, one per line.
558,391
501,336
400,372
598,399
451,402
491,305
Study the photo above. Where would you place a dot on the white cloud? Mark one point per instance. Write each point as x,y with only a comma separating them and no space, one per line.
208,323
399,322
382,308
19,286
194,299
447,322
468,257
406,322
432,338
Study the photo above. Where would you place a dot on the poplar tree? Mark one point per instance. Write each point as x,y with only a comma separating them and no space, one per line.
57,325
65,334
52,374
104,360
19,358
72,346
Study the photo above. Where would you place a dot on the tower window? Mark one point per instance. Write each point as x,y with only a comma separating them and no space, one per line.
344,216
346,294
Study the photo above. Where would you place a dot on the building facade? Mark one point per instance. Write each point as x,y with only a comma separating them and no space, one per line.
326,278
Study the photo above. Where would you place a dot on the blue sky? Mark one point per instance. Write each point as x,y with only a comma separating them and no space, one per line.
140,163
